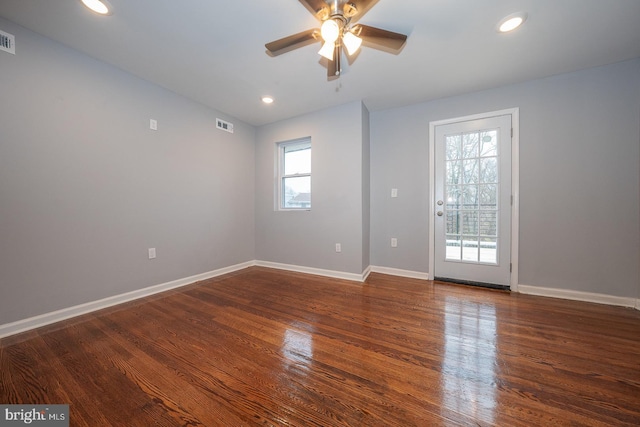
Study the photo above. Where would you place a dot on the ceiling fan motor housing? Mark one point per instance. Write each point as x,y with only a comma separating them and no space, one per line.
339,9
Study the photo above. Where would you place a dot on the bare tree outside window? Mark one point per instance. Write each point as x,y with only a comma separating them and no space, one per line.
471,192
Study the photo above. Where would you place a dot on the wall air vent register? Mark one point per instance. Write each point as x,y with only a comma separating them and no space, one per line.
7,42
226,126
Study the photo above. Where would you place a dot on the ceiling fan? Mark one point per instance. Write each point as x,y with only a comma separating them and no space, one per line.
338,30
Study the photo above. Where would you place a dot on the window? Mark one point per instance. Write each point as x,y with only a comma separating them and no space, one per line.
294,174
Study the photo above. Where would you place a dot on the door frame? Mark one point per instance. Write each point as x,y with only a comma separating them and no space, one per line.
515,185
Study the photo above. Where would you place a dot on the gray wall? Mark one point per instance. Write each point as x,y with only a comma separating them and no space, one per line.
308,238
86,187
579,178
366,188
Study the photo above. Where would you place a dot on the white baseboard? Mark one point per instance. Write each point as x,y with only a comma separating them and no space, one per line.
578,296
366,273
343,275
67,313
317,271
398,272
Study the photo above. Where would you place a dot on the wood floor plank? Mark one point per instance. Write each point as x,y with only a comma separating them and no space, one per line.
275,348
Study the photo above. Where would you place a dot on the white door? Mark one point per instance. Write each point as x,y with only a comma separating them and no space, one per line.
472,212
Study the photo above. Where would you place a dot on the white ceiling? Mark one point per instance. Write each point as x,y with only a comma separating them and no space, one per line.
213,51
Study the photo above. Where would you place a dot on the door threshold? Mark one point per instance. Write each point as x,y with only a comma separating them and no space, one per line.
473,283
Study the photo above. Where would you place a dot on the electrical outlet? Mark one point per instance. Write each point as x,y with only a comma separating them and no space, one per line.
152,253
338,247
394,242
153,124
394,192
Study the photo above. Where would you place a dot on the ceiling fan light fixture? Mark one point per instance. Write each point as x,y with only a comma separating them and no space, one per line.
327,50
336,31
511,22
330,31
101,7
351,42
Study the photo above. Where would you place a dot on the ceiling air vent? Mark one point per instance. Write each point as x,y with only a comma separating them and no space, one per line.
7,42
226,126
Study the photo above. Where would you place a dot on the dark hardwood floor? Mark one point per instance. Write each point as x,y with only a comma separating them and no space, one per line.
267,347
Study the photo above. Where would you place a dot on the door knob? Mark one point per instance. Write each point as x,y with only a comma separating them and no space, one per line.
439,213
440,202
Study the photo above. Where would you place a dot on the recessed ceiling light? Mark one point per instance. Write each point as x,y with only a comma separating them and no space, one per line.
511,22
101,7
267,100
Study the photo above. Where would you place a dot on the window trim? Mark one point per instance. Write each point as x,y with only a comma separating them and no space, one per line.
280,175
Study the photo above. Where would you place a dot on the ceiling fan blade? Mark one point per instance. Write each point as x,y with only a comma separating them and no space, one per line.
380,37
334,69
295,41
354,9
318,8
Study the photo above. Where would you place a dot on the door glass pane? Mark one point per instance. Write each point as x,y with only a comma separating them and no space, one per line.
488,221
453,147
488,250
454,194
470,143
454,172
453,222
470,248
470,197
454,247
470,222
471,191
471,171
489,170
488,196
489,143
